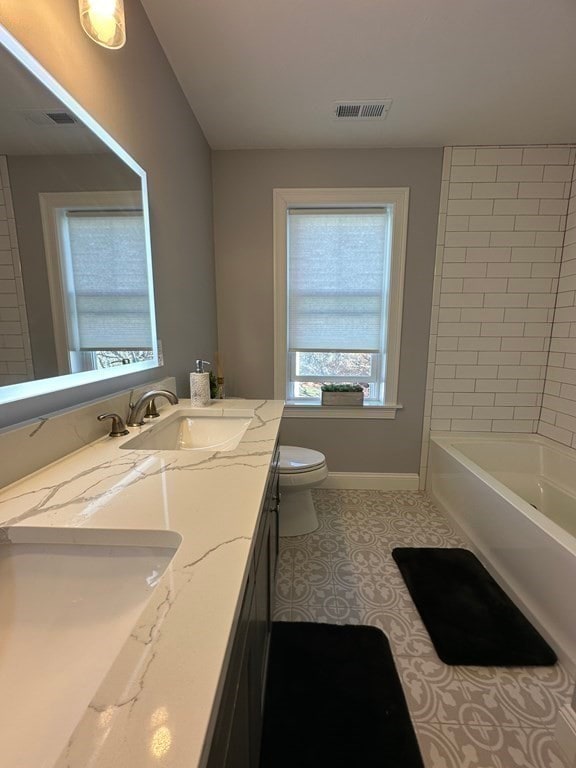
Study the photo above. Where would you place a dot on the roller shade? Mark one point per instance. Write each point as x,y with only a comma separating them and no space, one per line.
109,283
338,263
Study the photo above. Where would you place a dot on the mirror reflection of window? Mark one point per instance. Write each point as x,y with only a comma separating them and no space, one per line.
97,265
50,145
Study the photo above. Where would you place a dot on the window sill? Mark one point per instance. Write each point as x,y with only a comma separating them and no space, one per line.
293,411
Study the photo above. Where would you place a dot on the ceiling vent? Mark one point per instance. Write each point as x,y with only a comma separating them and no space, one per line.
362,110
41,117
61,118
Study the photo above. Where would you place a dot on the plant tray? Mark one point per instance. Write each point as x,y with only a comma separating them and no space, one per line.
343,399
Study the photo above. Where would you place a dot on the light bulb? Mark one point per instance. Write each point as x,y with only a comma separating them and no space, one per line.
103,21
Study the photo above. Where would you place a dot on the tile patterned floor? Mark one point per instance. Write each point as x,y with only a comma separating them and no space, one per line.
464,717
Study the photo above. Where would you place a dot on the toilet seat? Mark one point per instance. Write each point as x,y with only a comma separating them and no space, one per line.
295,460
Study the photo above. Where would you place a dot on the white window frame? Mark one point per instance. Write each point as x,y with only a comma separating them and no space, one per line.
394,198
52,205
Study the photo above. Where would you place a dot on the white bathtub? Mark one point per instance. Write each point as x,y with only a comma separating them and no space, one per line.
514,498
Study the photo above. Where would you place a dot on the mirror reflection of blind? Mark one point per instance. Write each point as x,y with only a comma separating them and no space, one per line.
109,273
338,263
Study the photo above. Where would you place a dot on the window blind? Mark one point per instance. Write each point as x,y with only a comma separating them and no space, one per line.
338,264
108,279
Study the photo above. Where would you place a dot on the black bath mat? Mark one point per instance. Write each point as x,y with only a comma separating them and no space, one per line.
470,619
334,700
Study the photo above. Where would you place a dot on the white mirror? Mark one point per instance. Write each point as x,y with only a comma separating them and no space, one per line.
76,293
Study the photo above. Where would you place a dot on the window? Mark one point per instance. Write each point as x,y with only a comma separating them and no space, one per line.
99,283
339,266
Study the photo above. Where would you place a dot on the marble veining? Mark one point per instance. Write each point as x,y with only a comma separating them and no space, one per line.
213,549
45,439
156,704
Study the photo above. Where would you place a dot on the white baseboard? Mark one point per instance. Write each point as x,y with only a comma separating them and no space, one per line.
373,481
565,733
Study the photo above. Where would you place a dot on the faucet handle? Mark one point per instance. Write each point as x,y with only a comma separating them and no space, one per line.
118,426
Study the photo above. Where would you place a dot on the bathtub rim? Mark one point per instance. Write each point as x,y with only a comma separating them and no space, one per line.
446,440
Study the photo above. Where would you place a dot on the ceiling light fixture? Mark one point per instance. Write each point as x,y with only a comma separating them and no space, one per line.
103,21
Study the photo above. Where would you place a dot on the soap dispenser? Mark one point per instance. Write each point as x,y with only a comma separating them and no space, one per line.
200,385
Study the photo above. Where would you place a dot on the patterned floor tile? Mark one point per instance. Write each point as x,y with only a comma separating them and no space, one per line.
304,593
404,629
533,748
366,559
284,585
433,690
448,746
371,591
518,696
344,573
282,612
324,611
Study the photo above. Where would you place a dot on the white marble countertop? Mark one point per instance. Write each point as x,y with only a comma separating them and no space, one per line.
156,705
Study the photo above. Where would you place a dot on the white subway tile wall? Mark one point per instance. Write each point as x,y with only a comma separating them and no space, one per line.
501,242
558,416
15,352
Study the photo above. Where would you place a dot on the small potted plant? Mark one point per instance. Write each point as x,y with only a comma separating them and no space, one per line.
342,394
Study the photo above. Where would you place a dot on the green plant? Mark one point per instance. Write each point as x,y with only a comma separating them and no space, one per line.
342,388
213,385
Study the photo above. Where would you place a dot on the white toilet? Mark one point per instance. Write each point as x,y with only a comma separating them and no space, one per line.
300,469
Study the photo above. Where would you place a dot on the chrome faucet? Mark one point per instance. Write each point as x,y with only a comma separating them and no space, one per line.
135,418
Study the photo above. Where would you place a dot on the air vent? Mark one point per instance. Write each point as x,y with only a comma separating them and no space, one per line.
372,110
44,117
348,110
362,110
61,118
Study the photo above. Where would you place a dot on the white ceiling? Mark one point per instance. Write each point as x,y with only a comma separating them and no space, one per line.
265,73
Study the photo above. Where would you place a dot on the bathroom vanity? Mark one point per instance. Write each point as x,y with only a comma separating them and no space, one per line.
184,681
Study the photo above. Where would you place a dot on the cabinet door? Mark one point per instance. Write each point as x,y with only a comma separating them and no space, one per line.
274,543
240,743
261,626
261,618
230,743
236,742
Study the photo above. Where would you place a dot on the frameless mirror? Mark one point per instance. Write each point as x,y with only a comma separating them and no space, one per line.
76,296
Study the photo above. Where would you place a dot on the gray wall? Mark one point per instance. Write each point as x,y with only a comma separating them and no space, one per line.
243,183
134,94
29,176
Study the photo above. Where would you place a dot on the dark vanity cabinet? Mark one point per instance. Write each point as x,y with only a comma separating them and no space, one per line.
238,730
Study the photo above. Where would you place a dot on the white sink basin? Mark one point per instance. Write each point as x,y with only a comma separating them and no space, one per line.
192,433
65,611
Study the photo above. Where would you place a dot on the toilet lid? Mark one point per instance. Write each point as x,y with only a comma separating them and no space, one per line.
294,459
